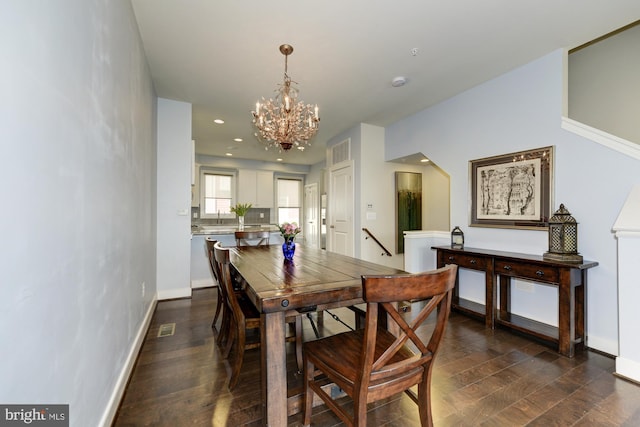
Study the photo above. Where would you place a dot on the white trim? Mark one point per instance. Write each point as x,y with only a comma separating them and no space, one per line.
604,345
421,234
121,384
611,141
174,293
627,234
628,368
202,283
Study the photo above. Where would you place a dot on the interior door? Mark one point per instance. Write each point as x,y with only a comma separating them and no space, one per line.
341,209
311,209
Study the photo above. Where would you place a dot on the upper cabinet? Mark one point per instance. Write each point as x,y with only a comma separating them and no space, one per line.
195,186
255,187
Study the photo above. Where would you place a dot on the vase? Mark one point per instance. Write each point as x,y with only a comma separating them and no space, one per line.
288,249
241,222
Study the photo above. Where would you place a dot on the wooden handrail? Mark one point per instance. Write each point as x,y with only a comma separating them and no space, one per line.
386,252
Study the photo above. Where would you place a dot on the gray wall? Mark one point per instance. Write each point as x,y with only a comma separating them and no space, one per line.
77,165
521,110
604,85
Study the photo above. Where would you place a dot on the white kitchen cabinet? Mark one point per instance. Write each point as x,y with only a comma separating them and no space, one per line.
195,187
255,187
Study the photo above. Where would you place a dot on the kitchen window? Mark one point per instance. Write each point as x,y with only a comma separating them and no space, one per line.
217,193
289,196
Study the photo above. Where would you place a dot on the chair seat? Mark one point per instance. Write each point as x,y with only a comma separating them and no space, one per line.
340,354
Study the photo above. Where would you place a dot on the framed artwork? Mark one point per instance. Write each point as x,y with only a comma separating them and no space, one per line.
408,205
512,190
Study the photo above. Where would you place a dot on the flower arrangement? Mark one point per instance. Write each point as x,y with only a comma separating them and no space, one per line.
289,230
241,209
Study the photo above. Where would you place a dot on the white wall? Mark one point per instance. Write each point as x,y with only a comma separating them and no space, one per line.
522,110
77,179
604,85
374,182
174,199
627,229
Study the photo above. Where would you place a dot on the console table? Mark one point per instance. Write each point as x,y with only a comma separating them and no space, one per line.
500,267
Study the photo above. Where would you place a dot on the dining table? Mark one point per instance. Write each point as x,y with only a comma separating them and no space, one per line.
315,279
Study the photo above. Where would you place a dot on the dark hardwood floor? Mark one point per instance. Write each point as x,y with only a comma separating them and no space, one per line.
482,378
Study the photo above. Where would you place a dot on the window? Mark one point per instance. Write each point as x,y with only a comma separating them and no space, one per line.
289,196
217,194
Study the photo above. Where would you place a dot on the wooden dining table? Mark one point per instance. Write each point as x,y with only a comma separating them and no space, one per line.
315,280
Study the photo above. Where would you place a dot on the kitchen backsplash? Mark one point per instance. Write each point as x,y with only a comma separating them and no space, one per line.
253,216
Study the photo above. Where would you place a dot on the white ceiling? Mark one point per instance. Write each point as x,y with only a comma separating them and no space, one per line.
222,56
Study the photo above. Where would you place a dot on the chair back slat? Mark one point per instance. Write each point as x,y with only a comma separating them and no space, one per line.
252,238
212,261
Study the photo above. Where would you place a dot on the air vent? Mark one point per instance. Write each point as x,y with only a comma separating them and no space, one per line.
341,152
166,330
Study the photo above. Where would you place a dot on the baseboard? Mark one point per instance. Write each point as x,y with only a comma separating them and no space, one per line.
628,368
602,344
174,293
121,385
202,283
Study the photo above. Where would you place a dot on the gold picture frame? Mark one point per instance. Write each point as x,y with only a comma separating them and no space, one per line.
512,190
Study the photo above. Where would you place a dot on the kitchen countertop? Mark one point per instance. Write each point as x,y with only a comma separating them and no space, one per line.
230,229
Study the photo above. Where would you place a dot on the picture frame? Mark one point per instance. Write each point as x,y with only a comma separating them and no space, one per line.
513,190
408,205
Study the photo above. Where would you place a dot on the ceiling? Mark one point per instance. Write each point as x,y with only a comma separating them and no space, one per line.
222,56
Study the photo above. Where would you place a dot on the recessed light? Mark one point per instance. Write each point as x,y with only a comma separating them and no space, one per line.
228,154
237,139
424,160
218,121
278,159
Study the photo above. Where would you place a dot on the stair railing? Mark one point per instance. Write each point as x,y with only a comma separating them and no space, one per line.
369,234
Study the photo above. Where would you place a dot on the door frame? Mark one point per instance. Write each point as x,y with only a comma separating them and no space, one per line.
348,164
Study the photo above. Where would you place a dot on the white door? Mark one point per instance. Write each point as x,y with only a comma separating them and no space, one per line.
311,209
341,210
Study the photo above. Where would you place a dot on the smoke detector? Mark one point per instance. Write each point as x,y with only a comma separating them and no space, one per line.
398,81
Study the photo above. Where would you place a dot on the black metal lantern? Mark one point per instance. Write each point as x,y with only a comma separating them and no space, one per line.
457,238
563,237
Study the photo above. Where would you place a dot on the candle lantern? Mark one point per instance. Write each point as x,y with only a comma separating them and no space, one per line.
563,237
457,238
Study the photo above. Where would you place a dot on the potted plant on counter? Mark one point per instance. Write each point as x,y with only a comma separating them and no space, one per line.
240,209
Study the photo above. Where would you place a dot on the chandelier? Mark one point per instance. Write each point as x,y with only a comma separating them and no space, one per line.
284,122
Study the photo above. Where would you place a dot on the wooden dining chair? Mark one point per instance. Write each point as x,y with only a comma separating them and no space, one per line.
252,238
212,264
244,316
222,310
372,363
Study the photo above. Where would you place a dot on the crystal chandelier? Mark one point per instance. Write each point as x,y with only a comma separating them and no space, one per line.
284,122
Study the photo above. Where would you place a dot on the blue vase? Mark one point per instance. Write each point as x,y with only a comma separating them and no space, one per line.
288,249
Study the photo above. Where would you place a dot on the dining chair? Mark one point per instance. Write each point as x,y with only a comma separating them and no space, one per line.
244,316
252,238
212,264
222,309
373,363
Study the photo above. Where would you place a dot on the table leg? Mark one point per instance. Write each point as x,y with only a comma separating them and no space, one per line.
490,297
274,369
581,315
566,314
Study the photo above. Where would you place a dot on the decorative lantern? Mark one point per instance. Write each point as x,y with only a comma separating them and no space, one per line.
457,238
563,237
